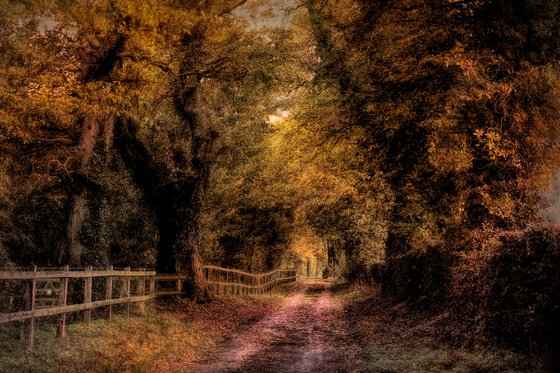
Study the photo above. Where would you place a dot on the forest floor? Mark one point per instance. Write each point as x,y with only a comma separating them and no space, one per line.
307,332
308,326
322,327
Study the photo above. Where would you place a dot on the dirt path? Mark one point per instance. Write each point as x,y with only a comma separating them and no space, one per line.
307,333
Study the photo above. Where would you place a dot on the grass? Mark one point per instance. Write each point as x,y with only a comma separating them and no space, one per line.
166,339
399,339
441,359
135,344
395,338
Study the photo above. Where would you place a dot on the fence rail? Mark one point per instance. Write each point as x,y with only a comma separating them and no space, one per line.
233,281
47,291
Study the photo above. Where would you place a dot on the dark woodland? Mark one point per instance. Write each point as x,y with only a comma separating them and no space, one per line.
406,148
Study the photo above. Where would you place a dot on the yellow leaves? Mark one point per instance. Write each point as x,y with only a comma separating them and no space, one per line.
520,116
501,205
100,97
469,67
344,11
219,33
149,26
449,152
494,144
12,126
307,245
155,18
449,160
425,235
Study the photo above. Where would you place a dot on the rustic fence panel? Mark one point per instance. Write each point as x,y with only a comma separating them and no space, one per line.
47,290
47,294
232,281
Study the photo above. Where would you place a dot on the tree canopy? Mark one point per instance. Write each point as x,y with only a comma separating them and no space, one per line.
351,138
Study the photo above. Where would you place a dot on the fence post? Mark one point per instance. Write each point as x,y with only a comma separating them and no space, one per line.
153,289
88,284
141,290
127,289
179,284
226,288
109,290
31,325
63,300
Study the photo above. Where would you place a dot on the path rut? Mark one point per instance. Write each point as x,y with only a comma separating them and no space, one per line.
307,333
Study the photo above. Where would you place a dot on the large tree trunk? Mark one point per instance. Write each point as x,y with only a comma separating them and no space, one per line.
187,248
79,209
176,202
104,64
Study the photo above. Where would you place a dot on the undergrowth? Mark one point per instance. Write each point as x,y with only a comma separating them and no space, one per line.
400,337
135,344
168,338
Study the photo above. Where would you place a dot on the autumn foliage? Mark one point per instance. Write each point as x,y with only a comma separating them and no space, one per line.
409,143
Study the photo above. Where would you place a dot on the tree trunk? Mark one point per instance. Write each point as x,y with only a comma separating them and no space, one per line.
77,217
91,129
79,210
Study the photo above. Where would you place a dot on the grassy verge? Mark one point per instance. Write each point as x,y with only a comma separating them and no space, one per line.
135,344
175,333
399,338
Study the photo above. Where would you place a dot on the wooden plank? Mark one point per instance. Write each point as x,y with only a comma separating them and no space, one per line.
43,312
141,290
152,289
168,292
63,300
152,284
45,275
127,289
88,285
179,285
31,326
170,277
109,291
225,284
238,271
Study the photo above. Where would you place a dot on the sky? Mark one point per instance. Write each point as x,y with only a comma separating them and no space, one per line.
266,13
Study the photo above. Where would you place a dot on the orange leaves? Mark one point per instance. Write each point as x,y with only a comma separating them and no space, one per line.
449,152
501,205
493,144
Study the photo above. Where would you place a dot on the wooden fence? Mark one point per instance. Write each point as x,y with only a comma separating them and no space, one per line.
232,281
46,291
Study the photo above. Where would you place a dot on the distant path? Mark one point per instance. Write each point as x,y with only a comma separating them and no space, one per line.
307,333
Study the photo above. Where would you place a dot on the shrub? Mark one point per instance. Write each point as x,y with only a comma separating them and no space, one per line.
510,289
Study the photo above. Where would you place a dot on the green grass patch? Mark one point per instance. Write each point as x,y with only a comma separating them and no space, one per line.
136,344
439,360
166,339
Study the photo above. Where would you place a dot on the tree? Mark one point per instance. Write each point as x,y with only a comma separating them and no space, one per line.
452,120
104,108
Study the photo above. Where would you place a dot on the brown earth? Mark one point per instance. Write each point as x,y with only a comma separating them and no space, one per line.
299,327
307,332
317,326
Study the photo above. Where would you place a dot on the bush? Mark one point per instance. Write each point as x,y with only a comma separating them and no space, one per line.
417,275
510,289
